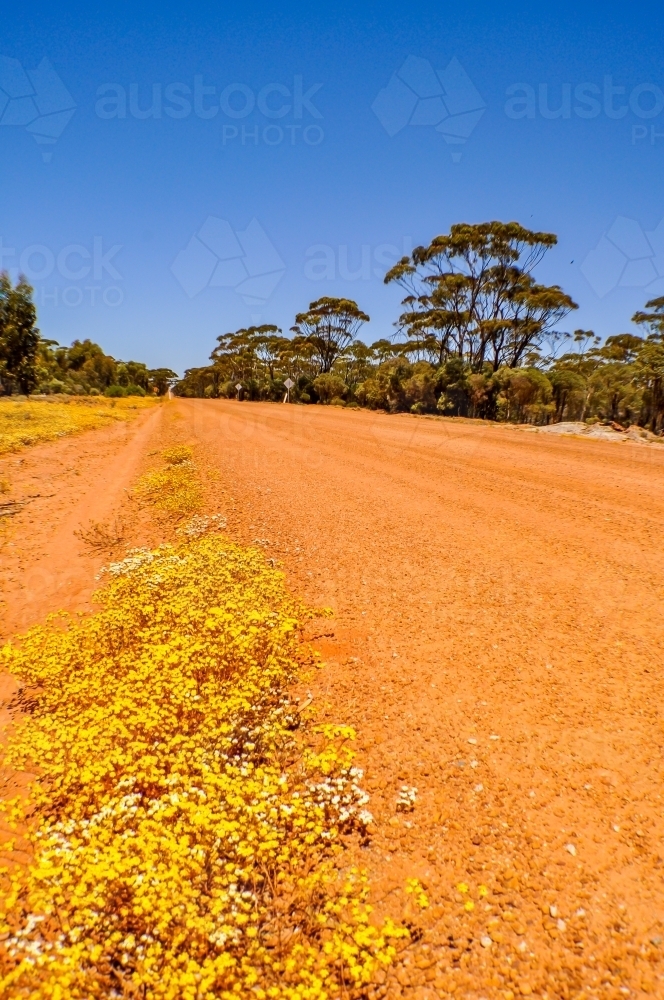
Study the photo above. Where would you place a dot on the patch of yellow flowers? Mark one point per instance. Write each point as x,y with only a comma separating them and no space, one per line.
28,422
174,489
185,821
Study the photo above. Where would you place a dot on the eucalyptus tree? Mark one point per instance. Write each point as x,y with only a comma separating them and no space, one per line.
649,361
654,319
355,363
472,295
330,325
19,336
269,345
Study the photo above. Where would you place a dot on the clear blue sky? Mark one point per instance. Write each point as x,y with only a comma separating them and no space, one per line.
171,172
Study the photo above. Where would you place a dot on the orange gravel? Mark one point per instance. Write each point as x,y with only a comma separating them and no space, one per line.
496,643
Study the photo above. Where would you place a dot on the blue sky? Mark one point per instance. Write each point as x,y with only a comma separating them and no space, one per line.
168,174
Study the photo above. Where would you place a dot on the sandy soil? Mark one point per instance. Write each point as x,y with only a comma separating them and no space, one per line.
497,643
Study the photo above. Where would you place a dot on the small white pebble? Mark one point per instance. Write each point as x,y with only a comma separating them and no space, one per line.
522,946
561,925
494,737
553,910
486,941
479,788
532,794
472,740
474,763
616,828
580,912
571,849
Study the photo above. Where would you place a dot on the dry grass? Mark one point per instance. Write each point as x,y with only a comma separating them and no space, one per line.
102,536
27,422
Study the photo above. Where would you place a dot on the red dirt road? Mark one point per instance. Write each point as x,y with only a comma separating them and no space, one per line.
497,644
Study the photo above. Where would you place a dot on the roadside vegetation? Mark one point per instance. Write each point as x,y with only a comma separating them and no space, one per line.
478,336
175,488
31,421
185,825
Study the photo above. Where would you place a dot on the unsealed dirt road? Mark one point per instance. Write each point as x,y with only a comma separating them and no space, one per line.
497,644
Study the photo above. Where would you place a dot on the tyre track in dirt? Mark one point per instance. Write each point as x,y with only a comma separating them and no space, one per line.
82,478
44,566
486,583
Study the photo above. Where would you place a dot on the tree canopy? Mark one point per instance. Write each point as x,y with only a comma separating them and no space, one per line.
329,326
19,336
471,295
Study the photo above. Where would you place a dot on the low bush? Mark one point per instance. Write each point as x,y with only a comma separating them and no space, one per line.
329,387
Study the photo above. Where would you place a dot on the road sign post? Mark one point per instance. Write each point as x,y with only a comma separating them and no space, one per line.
289,385
238,387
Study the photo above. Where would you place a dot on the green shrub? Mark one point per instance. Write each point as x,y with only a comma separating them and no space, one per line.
419,389
329,387
53,386
115,391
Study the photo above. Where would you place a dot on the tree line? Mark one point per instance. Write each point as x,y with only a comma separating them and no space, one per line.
30,363
478,336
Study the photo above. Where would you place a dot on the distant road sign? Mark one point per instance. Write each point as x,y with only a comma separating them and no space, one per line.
238,386
289,383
